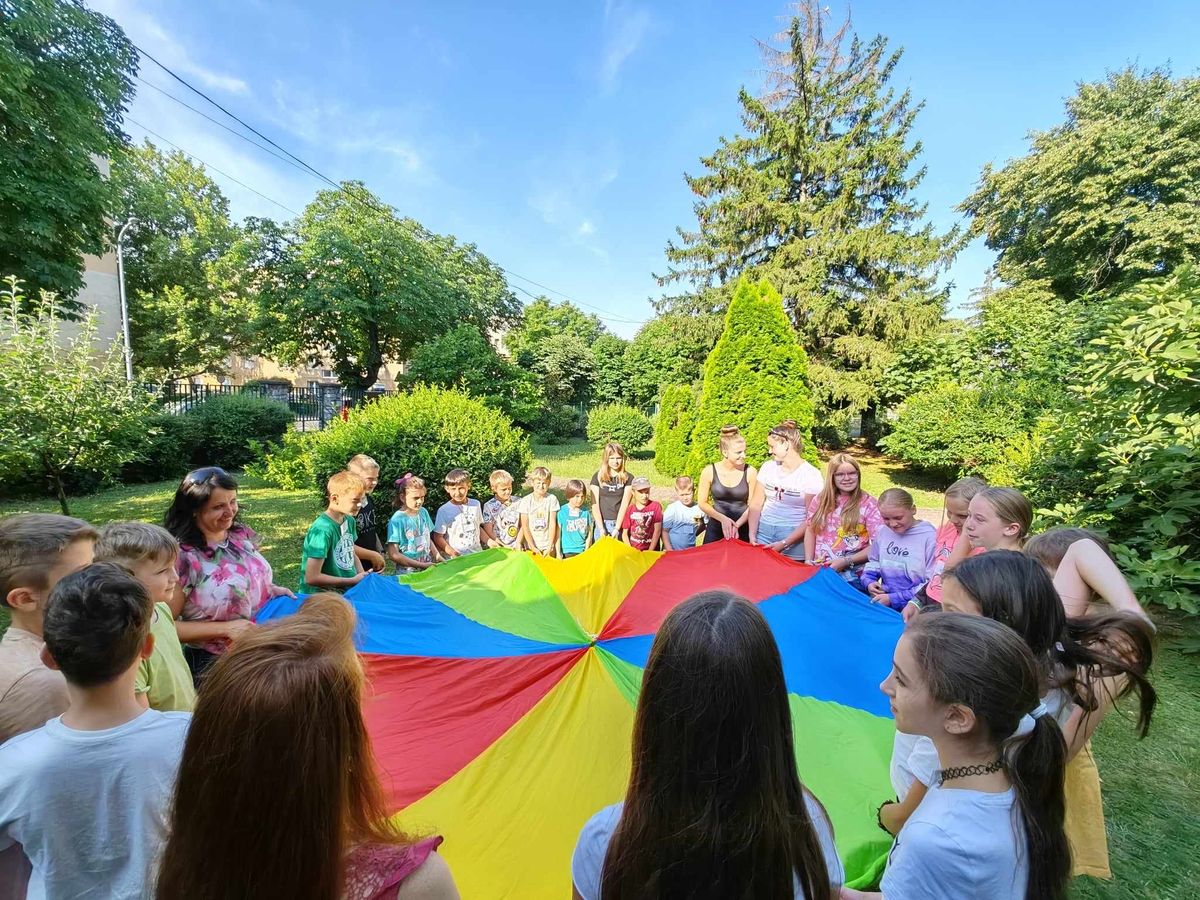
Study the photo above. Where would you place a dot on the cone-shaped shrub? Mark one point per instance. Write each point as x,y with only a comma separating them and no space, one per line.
755,377
676,418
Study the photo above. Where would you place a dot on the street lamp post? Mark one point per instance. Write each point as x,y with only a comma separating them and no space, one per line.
124,305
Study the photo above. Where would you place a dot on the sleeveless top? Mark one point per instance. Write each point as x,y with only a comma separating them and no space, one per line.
730,501
376,871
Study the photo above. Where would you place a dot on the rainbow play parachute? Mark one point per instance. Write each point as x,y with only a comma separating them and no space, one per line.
503,688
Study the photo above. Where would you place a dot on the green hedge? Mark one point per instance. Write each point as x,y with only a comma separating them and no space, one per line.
676,418
617,422
428,432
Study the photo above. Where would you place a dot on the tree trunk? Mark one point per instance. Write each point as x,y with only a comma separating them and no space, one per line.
60,491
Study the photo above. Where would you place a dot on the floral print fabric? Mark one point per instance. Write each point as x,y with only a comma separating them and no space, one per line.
221,583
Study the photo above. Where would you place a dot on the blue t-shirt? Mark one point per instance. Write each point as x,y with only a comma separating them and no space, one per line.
90,808
679,523
587,863
411,535
959,843
574,525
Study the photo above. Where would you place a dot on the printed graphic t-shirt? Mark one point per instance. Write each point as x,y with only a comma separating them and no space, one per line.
574,525
541,514
679,524
460,525
640,523
505,519
327,540
411,535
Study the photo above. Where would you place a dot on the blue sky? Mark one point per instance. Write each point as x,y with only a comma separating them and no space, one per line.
555,135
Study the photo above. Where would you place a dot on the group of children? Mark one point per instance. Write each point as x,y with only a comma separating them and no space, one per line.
344,543
95,690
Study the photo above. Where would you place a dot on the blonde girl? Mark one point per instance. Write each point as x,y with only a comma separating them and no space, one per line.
842,520
725,490
779,502
998,518
611,491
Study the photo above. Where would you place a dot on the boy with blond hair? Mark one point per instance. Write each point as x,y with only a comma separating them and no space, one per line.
164,681
367,546
683,520
328,561
539,514
458,527
501,515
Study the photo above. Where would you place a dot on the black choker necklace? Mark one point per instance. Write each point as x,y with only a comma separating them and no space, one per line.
963,771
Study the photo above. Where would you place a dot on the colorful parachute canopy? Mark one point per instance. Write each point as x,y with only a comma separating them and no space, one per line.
503,688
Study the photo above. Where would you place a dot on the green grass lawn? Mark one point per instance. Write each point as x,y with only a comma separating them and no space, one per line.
1151,787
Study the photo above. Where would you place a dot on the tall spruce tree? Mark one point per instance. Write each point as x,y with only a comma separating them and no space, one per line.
817,196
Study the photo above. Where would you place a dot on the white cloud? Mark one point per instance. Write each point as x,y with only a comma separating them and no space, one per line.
625,27
564,192
586,228
145,31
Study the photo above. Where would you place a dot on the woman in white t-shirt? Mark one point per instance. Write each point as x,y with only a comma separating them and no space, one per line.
991,826
714,808
778,506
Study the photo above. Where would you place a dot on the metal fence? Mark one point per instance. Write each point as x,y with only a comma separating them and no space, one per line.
313,407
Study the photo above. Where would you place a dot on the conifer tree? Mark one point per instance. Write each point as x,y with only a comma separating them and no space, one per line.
755,378
816,194
676,418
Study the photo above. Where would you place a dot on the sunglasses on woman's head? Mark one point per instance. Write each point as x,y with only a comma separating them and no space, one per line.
202,475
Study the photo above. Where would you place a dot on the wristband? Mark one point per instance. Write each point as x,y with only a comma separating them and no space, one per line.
879,814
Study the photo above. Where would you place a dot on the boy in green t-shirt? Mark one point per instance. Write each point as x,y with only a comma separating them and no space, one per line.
164,681
329,561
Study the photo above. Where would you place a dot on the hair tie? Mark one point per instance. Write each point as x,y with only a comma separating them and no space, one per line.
403,478
1029,721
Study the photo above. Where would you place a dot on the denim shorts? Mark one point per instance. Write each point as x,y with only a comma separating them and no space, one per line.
611,529
769,534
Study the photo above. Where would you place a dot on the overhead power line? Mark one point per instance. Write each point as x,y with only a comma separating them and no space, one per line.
298,163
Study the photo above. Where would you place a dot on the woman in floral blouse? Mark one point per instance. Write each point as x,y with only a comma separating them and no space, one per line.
223,579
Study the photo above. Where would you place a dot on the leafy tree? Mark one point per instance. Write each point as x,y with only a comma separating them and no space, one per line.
566,366
611,370
1124,456
463,358
755,377
65,79
358,285
184,315
816,195
543,319
63,410
1109,197
669,349
676,419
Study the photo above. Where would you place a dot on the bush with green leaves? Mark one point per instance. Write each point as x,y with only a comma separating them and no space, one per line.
951,429
1125,456
428,432
232,425
616,422
559,424
287,464
755,377
676,418
64,409
172,443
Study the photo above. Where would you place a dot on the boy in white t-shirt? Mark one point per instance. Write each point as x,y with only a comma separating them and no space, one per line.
683,520
458,528
539,514
86,795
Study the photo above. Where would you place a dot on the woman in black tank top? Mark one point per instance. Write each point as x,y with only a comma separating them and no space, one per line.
728,508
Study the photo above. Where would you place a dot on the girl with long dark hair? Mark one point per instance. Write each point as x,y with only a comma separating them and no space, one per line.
1088,664
992,826
277,794
715,808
